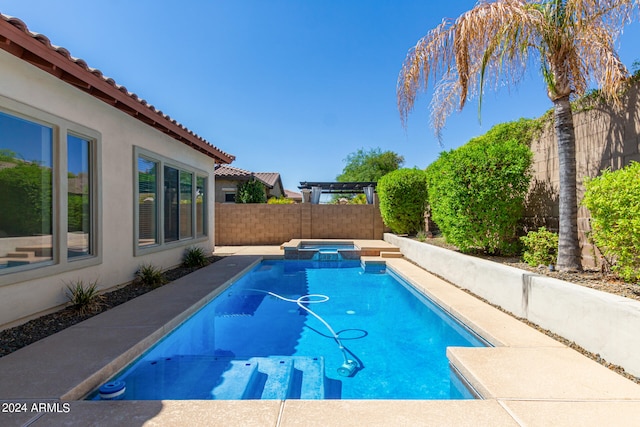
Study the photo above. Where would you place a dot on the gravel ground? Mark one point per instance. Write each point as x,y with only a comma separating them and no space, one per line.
20,336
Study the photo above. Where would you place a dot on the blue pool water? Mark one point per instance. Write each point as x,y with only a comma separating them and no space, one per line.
255,341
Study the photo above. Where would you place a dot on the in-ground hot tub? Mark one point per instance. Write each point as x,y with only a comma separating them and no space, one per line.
323,251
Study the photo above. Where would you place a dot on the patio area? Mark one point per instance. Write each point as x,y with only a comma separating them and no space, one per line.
526,379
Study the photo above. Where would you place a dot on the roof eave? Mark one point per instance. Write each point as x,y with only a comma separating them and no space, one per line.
37,50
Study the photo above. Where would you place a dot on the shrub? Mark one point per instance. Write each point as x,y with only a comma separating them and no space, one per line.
195,257
614,202
540,247
280,201
84,299
358,199
403,198
150,275
251,191
476,193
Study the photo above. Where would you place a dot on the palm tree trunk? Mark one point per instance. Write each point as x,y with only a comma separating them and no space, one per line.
568,244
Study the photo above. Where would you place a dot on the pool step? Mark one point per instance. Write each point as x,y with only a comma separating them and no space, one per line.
395,254
275,378
226,378
235,380
311,370
279,373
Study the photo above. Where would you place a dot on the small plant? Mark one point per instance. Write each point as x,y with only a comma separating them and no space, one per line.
540,247
421,236
85,299
150,275
195,257
280,201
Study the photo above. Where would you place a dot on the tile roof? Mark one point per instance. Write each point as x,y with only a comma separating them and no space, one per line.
231,171
270,179
293,195
37,50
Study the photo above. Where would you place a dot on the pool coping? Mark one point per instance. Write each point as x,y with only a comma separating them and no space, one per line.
526,379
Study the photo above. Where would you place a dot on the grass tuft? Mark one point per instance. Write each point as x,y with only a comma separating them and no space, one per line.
195,257
150,275
85,299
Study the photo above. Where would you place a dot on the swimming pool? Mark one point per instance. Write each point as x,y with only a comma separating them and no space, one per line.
309,330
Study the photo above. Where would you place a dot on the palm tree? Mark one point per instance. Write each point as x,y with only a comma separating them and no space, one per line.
571,40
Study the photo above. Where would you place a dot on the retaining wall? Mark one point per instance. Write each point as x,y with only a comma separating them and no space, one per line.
599,322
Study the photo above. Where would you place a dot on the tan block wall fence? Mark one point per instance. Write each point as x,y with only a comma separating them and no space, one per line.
605,138
262,224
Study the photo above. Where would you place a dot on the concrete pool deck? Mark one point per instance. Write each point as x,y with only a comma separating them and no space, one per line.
526,379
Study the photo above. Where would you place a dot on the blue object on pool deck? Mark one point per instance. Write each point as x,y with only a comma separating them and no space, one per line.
112,390
377,336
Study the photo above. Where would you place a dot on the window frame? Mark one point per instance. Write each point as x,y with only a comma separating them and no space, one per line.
61,128
93,189
161,244
205,206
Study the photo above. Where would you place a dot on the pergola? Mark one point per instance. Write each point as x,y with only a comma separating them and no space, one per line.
318,188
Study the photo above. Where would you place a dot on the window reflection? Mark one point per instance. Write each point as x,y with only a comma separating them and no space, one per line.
171,214
79,237
147,202
186,205
200,206
25,192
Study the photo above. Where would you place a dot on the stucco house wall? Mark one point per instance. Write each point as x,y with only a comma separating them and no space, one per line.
29,92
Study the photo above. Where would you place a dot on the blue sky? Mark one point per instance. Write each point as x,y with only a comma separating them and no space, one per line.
288,86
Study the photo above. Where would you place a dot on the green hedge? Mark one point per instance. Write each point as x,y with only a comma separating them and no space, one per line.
403,197
476,192
614,202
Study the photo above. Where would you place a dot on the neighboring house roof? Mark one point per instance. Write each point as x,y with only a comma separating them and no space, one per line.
293,195
236,174
270,178
37,50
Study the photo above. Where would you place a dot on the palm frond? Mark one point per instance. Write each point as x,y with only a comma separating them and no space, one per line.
492,44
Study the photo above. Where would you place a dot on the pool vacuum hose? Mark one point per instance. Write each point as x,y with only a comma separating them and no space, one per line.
349,366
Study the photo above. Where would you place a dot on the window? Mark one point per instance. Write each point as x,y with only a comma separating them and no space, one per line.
48,193
178,204
26,189
186,205
176,214
171,215
147,202
229,197
201,206
79,207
